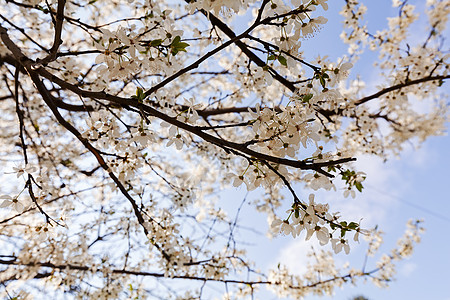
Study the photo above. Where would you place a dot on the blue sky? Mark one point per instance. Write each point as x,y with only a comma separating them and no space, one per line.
413,186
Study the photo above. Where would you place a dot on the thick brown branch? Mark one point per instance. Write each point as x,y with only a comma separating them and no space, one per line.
71,107
225,144
252,56
328,113
193,129
57,36
400,86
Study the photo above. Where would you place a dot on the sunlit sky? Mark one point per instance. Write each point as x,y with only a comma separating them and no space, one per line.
413,186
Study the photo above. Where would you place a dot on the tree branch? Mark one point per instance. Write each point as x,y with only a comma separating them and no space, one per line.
253,57
62,267
400,86
57,36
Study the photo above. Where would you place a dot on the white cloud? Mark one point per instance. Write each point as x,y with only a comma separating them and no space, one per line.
383,182
407,269
294,255
374,206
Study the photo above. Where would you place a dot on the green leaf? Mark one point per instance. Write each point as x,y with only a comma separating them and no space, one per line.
140,95
182,45
359,186
322,81
282,60
343,223
306,98
353,225
271,57
177,46
176,40
156,43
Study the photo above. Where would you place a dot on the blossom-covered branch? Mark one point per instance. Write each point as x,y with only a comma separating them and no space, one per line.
124,124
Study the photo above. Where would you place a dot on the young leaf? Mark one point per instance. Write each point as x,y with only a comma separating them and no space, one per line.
156,43
306,98
282,60
359,186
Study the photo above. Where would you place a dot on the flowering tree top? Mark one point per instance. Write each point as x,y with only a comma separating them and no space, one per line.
123,120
